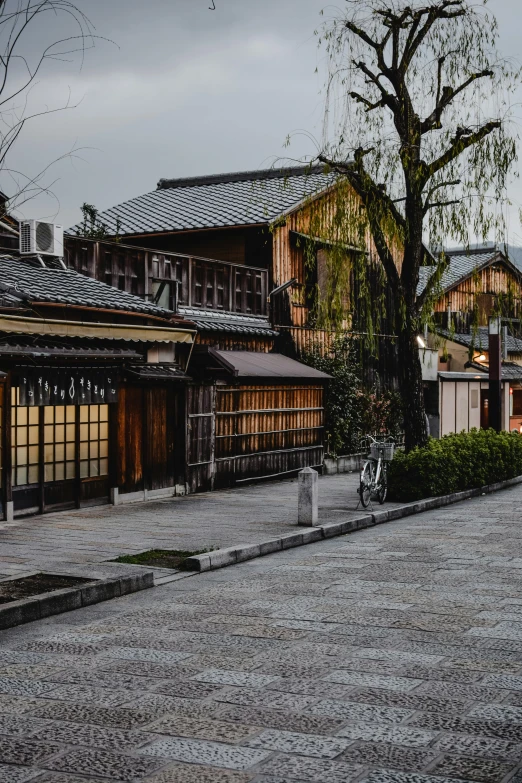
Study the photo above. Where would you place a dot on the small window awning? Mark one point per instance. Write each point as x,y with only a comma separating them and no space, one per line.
250,364
156,372
298,236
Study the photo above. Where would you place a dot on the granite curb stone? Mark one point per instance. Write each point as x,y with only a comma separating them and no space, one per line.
38,607
239,554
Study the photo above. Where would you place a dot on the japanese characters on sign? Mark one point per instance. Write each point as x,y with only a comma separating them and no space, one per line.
73,387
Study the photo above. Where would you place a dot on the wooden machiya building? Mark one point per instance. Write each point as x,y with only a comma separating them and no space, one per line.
476,284
238,255
91,389
105,397
220,244
245,419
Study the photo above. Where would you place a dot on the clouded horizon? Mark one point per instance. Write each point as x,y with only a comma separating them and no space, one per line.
183,91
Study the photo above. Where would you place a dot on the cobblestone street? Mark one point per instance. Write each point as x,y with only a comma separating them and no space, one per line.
243,515
392,655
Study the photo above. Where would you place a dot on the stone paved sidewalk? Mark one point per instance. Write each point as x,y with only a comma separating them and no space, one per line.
238,516
393,655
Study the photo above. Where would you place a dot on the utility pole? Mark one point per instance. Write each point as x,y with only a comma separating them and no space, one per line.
495,374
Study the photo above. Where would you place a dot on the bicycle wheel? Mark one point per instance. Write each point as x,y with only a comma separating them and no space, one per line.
382,490
366,484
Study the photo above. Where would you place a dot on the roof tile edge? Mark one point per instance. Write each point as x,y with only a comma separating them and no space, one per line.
241,176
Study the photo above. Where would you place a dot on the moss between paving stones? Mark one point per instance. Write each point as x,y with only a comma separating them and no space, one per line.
163,558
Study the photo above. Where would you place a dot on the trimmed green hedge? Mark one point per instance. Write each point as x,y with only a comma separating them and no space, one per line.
456,462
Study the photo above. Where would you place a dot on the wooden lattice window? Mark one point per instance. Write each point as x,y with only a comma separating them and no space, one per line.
25,442
259,293
198,285
249,293
220,288
59,442
94,440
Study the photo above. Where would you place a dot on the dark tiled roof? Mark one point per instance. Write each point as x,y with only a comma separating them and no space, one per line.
28,281
510,372
157,372
212,321
251,364
238,199
481,340
55,347
460,265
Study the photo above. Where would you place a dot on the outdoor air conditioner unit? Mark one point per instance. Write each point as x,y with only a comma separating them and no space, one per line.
40,238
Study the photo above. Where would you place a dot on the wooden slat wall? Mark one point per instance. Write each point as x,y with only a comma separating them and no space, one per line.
288,258
130,445
236,342
267,430
305,338
483,289
200,437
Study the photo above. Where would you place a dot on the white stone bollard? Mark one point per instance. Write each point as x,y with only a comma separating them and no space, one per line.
308,497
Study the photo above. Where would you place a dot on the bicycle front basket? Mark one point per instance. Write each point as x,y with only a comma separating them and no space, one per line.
383,450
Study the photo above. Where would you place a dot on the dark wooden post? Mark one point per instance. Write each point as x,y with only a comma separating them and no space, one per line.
7,462
41,457
77,473
190,277
495,374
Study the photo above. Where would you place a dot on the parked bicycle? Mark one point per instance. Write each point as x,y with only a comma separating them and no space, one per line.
373,483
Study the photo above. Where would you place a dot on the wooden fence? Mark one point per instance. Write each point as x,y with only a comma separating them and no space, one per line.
239,433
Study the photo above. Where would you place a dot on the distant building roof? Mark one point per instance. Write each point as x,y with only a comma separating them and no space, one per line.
24,279
223,200
510,372
480,340
462,264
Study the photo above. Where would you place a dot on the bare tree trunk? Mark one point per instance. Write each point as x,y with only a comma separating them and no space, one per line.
411,388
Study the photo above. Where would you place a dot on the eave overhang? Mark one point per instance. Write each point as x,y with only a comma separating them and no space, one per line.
107,331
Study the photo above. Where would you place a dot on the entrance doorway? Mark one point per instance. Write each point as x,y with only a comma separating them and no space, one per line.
59,454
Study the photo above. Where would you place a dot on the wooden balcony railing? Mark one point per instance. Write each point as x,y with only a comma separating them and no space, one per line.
171,279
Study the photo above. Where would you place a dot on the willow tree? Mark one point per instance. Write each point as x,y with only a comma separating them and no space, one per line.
418,107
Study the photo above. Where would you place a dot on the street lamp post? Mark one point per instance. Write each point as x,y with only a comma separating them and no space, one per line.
495,374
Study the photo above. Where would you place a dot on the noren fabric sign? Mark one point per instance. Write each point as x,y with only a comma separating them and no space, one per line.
71,387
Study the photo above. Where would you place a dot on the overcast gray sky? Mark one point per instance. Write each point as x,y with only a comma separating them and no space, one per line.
186,91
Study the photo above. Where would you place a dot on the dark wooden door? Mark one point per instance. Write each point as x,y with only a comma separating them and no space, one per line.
160,440
130,439
200,437
148,441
